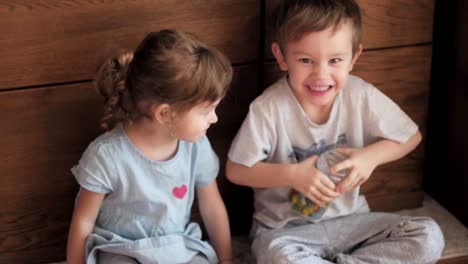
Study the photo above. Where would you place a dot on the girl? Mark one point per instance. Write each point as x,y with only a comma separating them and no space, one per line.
138,179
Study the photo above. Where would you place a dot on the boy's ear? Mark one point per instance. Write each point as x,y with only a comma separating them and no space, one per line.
356,56
275,48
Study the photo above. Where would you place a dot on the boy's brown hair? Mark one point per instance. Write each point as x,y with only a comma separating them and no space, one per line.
294,18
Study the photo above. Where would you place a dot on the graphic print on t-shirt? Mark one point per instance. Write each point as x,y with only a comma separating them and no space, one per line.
179,192
299,202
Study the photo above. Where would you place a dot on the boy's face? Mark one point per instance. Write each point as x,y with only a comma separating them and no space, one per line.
318,65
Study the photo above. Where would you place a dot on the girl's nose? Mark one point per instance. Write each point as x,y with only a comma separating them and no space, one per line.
214,118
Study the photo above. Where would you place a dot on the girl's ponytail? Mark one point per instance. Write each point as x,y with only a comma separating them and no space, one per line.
111,84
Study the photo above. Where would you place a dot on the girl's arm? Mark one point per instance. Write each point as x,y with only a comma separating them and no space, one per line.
82,224
215,218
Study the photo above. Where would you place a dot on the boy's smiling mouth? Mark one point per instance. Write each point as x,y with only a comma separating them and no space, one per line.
319,88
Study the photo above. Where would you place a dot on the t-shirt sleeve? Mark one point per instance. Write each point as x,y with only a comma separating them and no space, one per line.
253,142
95,169
388,120
207,163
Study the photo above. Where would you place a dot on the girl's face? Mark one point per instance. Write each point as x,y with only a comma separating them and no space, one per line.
191,125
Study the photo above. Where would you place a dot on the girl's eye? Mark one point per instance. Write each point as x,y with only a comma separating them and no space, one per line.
208,111
335,60
305,60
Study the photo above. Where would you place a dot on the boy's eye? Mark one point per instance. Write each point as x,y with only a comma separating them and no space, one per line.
305,60
335,60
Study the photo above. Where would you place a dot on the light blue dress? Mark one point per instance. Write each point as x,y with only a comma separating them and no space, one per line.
146,212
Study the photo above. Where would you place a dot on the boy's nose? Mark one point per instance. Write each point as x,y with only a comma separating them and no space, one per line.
319,70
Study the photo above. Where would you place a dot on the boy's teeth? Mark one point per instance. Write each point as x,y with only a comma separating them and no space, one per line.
319,88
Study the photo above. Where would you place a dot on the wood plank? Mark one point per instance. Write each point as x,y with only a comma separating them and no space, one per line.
403,75
455,260
385,23
395,201
48,41
45,133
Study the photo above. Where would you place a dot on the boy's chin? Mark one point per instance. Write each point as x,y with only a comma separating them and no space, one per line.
323,101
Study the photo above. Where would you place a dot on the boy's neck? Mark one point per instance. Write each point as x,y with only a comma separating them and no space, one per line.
318,114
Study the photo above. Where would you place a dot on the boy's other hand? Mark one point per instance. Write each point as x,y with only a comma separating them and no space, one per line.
311,182
360,166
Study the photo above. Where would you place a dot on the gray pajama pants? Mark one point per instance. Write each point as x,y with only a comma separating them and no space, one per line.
359,238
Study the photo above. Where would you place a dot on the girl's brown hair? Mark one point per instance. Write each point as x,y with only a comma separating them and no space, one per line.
294,18
168,66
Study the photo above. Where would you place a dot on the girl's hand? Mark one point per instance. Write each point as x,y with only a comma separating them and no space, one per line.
360,165
311,182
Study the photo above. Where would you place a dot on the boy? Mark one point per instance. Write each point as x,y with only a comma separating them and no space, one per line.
319,106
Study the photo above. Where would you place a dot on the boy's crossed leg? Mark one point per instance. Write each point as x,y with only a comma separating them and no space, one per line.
358,238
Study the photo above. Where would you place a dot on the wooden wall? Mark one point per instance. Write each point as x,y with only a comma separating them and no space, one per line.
49,111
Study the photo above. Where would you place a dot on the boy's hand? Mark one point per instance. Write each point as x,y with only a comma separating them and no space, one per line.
311,182
360,166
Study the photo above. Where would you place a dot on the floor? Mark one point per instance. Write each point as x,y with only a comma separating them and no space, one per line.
455,233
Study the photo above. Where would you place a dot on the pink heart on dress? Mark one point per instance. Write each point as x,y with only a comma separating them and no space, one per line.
179,192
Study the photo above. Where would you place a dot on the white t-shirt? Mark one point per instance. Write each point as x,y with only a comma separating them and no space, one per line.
276,130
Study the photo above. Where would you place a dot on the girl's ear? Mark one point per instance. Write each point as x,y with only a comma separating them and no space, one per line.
276,50
355,57
161,113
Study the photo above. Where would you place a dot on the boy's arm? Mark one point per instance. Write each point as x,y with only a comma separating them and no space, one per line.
303,177
385,151
215,218
82,224
362,162
260,175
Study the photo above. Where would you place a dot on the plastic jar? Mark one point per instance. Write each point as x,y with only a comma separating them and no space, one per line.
326,160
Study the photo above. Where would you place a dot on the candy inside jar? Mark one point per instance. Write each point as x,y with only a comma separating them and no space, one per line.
326,160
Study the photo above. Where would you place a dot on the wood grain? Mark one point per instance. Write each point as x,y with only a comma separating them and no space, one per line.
395,201
385,23
48,41
455,260
47,131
